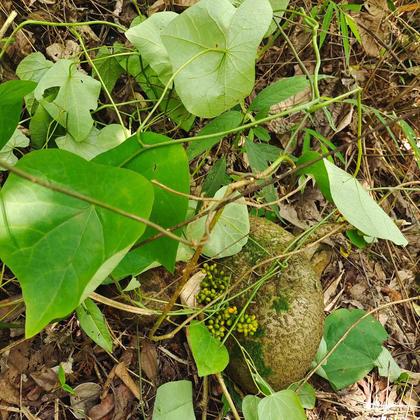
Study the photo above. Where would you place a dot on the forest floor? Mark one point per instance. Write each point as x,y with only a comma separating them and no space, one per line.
353,278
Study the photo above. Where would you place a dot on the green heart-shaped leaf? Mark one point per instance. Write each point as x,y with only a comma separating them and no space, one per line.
219,43
169,166
61,248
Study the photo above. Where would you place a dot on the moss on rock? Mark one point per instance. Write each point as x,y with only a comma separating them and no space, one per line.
288,307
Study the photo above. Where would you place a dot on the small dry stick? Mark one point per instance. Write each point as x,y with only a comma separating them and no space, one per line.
227,396
6,24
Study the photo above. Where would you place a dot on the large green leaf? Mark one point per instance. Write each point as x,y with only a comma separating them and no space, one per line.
219,43
77,96
283,405
94,325
359,208
174,401
250,407
169,166
11,98
230,233
354,357
146,38
61,248
210,355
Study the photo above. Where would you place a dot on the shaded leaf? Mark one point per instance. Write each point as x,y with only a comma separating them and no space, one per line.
278,92
224,122
108,67
306,394
169,166
11,98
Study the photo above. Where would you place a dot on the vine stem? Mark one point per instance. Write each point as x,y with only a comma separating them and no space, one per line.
58,188
348,331
56,25
359,133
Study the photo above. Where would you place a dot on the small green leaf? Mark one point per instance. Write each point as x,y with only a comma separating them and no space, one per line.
216,178
356,238
306,394
317,170
94,325
412,139
77,96
387,366
41,127
278,92
359,208
356,354
226,121
230,232
219,43
169,166
262,134
96,143
61,375
210,355
283,405
353,27
59,247
344,36
326,22
11,98
146,38
250,407
18,139
108,67
174,401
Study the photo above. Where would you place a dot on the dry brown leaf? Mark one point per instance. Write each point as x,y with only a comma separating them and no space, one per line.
101,410
46,378
157,6
149,360
184,3
58,51
191,289
122,372
123,402
86,396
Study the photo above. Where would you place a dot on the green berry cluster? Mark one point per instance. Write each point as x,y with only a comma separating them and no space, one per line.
214,284
247,325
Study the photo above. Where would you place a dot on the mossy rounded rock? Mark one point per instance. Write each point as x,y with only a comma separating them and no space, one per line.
288,307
